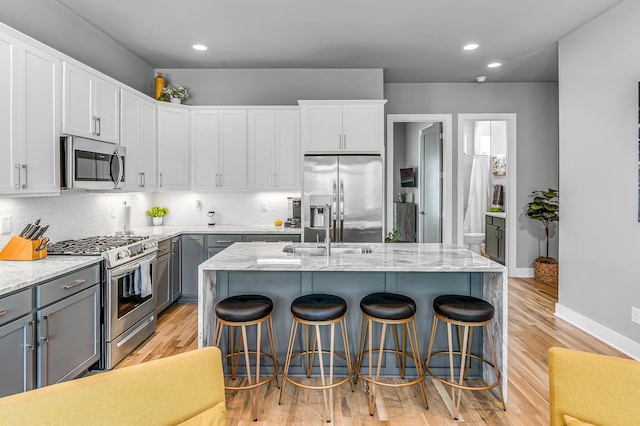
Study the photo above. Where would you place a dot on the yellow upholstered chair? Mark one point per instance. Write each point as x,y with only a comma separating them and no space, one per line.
182,389
596,389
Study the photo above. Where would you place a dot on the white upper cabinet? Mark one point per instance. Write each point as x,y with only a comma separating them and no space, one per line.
90,105
29,119
138,135
219,149
274,149
342,126
173,147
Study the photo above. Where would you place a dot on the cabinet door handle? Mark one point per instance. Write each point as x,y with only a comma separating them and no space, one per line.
98,126
16,175
340,141
221,181
74,284
45,322
140,185
223,241
3,313
95,125
32,341
25,184
160,180
144,180
344,141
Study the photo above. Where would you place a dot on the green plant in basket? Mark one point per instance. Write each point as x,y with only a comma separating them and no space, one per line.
156,211
544,208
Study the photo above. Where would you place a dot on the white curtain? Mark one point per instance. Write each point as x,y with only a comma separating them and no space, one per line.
478,195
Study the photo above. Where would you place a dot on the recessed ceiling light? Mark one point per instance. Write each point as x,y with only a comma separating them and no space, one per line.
200,47
470,46
494,65
481,79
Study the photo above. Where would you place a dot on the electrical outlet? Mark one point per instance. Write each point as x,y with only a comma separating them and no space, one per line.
113,212
264,207
635,315
5,225
197,206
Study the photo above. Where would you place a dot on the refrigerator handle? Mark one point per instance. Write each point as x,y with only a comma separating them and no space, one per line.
334,210
341,195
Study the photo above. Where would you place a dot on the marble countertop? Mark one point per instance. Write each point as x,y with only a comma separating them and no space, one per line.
405,257
164,232
17,275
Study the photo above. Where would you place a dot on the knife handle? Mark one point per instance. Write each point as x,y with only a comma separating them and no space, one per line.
32,232
24,230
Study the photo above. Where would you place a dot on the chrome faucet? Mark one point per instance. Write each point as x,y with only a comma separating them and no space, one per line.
327,229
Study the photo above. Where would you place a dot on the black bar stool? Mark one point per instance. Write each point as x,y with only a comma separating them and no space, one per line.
242,312
318,310
389,309
465,312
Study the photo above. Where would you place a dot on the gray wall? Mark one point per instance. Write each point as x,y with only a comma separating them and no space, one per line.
599,229
274,86
54,25
536,106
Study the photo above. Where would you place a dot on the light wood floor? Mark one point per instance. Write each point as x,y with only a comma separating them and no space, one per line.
532,330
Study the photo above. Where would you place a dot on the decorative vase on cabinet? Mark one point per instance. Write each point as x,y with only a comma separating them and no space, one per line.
176,100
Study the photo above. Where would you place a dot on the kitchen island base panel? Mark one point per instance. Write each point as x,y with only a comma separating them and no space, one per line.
284,286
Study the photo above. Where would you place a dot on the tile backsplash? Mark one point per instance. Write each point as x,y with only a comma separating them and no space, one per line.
78,214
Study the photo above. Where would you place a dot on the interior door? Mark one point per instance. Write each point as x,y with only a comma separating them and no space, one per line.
430,176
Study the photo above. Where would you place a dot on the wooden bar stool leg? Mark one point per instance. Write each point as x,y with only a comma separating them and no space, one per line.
272,345
398,357
415,351
434,327
372,386
361,344
347,352
468,363
287,360
252,392
322,378
372,407
331,351
463,358
451,370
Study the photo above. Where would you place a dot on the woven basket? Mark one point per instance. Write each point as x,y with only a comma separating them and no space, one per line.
545,270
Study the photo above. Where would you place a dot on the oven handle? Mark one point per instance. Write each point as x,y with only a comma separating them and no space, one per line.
122,271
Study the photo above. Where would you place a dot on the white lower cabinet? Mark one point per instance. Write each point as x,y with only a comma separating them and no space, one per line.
17,343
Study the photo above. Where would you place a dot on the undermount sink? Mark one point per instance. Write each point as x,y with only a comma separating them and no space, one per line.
320,250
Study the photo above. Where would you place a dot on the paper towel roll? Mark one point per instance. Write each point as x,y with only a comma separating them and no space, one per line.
124,219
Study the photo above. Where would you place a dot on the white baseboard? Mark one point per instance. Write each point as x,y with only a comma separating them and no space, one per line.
597,330
521,273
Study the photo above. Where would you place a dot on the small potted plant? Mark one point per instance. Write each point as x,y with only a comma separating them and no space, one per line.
403,196
157,213
544,208
174,93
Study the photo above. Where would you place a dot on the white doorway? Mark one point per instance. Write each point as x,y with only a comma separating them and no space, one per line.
466,121
443,184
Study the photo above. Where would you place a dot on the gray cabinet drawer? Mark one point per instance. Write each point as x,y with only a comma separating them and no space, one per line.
222,240
498,221
14,306
67,285
164,247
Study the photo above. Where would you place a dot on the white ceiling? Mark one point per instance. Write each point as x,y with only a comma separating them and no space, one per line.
412,40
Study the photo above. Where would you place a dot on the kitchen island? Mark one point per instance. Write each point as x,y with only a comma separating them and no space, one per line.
420,271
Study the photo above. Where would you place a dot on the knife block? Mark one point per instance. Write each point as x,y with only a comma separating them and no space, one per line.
19,248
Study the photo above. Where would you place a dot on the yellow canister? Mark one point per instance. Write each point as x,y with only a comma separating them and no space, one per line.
159,85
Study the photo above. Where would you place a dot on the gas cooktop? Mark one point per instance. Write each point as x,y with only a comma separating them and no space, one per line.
93,246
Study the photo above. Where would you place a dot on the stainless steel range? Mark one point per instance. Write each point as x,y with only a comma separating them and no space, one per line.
128,293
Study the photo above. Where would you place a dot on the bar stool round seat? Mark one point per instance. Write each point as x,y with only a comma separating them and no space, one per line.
319,307
241,312
465,312
316,310
389,306
463,308
388,309
246,307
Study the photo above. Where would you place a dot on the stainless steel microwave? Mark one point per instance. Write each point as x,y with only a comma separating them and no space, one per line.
91,164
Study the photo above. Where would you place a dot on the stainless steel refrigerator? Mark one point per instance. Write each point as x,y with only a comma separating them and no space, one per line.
352,186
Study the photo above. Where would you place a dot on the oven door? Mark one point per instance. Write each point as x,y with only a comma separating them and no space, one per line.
93,164
125,300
